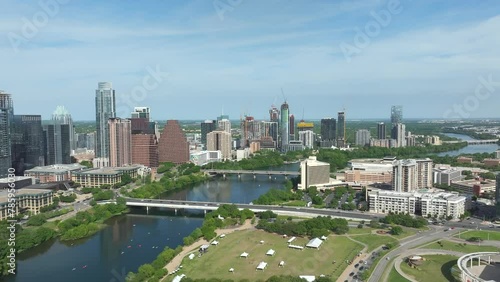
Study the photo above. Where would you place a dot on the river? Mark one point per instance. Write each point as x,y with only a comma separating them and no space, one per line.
140,236
469,149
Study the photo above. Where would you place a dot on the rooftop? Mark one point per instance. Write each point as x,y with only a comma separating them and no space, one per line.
4,195
61,168
17,178
108,170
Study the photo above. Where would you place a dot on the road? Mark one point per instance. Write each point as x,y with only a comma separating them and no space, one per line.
435,233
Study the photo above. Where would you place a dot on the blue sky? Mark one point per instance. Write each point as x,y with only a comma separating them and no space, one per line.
429,57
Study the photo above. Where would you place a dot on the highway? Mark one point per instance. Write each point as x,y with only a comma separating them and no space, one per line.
282,210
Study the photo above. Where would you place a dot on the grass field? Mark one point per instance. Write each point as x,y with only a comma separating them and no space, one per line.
364,230
394,276
485,235
435,268
406,232
374,241
219,259
453,246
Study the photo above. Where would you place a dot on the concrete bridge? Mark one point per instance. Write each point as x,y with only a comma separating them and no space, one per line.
270,173
474,142
281,210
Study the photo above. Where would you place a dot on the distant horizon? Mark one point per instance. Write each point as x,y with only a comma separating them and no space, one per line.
183,58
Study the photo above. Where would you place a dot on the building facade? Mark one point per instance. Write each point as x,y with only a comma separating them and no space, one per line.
381,134
173,145
57,143
62,116
314,172
341,131
27,142
31,200
220,141
284,125
363,137
206,127
105,108
120,142
396,114
328,132
53,173
145,150
308,138
398,133
6,116
96,177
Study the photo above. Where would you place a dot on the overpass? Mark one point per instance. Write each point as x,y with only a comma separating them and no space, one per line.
270,173
281,210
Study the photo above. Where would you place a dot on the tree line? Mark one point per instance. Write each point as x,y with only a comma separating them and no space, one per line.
315,227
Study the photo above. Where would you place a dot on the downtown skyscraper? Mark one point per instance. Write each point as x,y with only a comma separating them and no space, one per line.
328,132
62,116
27,140
6,116
341,138
284,126
105,108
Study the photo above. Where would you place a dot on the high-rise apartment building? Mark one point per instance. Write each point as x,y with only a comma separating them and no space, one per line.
173,145
62,116
424,173
250,130
269,129
307,138
284,126
105,108
399,134
404,176
328,132
381,131
224,124
6,116
341,133
120,142
396,114
206,127
27,142
220,140
363,137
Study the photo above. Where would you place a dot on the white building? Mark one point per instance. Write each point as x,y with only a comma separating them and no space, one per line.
307,138
434,202
445,175
224,125
204,157
363,137
314,173
410,175
219,140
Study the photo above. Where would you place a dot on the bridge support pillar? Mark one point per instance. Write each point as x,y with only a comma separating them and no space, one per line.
147,210
239,175
270,177
286,176
224,176
175,211
205,212
254,176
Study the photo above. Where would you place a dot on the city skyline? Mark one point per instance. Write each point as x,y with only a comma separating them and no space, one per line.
427,55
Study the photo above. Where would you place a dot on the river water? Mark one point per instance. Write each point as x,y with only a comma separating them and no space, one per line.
131,240
470,149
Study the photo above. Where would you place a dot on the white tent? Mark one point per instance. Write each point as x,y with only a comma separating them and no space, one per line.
291,240
178,278
271,252
282,263
191,256
222,235
308,278
262,265
323,238
262,241
231,269
215,243
244,255
314,243
296,247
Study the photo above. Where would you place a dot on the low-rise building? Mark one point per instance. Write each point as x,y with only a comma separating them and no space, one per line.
205,157
491,162
423,202
446,175
367,177
53,173
23,200
464,160
19,182
95,177
474,187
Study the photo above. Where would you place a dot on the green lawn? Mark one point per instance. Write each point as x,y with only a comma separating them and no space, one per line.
406,233
485,235
394,276
297,203
435,268
458,247
364,230
219,259
374,241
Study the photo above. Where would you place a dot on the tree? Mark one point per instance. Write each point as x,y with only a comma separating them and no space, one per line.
396,230
88,164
